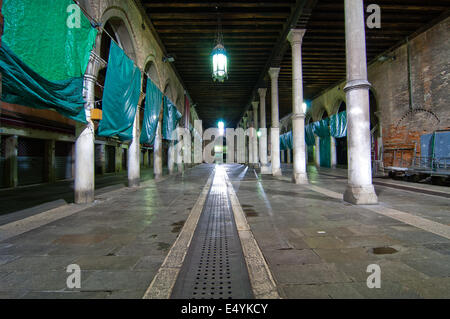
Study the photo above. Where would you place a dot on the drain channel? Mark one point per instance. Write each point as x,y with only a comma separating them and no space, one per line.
214,267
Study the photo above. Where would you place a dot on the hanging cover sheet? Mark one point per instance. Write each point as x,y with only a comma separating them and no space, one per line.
325,151
309,135
283,145
289,141
338,125
170,120
321,128
152,111
120,96
44,60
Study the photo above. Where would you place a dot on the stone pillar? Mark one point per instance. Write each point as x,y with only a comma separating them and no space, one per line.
265,168
134,156
333,152
289,159
317,152
145,159
246,146
84,179
283,157
157,151
11,152
255,137
250,127
360,190
171,158
299,174
275,129
118,161
50,161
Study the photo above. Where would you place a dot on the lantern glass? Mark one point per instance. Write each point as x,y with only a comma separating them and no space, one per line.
220,63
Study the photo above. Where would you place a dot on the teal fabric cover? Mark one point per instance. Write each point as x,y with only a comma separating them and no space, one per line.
309,135
325,151
289,140
170,120
338,125
321,128
152,110
283,145
120,96
21,85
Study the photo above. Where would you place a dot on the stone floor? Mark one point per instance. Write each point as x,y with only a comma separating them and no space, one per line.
320,247
316,246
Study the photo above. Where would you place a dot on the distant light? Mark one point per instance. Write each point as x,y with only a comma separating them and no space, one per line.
259,133
218,149
305,107
221,126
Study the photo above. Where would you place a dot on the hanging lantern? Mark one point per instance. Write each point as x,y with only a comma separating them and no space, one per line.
220,63
219,55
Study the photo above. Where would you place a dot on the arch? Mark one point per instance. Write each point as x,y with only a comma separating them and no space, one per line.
338,105
152,71
168,90
318,112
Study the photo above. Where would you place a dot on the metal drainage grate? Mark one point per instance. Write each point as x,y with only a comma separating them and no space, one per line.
214,266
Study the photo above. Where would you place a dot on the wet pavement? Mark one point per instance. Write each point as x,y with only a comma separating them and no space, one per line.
316,245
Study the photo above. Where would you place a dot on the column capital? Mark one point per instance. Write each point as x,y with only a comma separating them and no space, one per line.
255,105
357,84
262,92
295,36
274,72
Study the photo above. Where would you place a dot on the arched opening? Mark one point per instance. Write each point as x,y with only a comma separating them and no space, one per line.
341,143
109,158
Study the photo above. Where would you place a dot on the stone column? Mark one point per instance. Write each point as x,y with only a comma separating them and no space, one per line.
50,161
360,190
118,161
295,37
145,159
265,168
246,148
134,153
250,131
333,152
171,158
317,152
157,151
84,179
275,129
11,152
289,159
255,137
283,157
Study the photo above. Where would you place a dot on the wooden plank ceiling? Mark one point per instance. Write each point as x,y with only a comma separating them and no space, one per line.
252,32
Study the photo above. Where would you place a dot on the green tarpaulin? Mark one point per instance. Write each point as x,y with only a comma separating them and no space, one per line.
44,60
321,128
42,34
309,135
170,120
153,100
289,140
338,125
283,145
325,151
120,96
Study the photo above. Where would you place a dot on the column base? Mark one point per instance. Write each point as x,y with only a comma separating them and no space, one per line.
266,169
134,182
158,176
364,195
277,172
300,178
84,197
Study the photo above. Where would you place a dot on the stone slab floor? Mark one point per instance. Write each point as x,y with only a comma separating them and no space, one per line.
319,247
316,246
119,244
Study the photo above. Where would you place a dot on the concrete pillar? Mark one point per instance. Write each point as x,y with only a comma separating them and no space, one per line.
275,129
84,179
265,167
171,158
299,174
289,159
50,161
360,190
255,137
157,151
11,152
333,152
317,152
118,161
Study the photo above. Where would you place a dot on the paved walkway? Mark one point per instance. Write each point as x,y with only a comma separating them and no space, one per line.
318,246
315,245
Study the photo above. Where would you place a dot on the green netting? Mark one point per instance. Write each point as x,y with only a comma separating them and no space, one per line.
152,110
170,120
321,128
43,61
338,125
325,151
38,33
23,86
309,135
120,96
283,145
